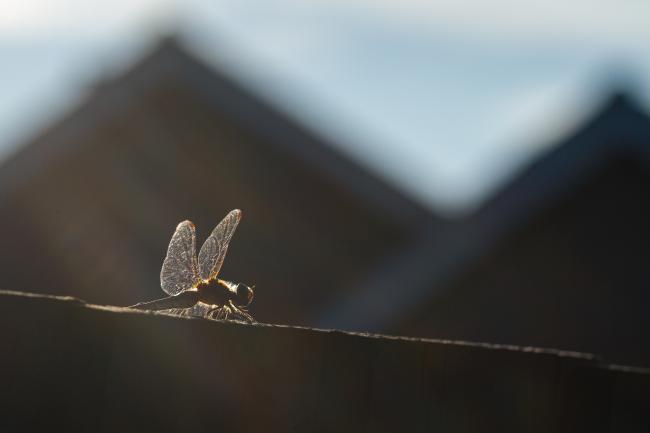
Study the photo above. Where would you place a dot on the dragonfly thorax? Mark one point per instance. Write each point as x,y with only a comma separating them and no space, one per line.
215,292
219,292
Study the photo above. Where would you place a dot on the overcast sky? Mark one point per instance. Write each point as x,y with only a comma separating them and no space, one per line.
442,97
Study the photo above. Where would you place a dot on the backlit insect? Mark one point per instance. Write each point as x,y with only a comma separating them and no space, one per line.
192,285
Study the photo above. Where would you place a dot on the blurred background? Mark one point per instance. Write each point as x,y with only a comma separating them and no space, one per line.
476,172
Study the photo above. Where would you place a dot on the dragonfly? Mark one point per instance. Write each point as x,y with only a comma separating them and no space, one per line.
192,282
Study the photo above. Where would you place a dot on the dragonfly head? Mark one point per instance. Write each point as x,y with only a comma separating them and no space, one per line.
244,295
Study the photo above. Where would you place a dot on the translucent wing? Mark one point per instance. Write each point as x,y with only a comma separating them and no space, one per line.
214,249
199,310
179,270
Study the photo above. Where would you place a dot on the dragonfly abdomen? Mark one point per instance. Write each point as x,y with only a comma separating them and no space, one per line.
184,299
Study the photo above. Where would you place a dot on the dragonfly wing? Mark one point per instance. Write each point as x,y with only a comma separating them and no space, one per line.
179,270
200,310
215,247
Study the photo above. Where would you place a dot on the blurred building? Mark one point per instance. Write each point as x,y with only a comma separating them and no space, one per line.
87,208
557,258
561,256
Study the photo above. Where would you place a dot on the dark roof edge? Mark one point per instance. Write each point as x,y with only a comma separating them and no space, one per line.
257,114
619,127
427,272
171,56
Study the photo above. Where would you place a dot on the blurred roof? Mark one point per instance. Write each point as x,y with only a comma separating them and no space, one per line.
558,257
172,59
88,206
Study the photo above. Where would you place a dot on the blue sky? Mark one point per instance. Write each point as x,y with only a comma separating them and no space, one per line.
443,98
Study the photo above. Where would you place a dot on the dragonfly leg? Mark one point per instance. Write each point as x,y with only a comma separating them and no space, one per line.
213,313
240,313
229,311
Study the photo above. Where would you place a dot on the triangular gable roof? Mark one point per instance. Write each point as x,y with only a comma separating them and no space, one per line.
173,57
375,207
620,127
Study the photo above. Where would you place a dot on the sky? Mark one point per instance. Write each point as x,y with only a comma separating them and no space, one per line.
445,99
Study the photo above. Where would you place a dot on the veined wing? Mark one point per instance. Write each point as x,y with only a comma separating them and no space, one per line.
179,270
199,310
215,247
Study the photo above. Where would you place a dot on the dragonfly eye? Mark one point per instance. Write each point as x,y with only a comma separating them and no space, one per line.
244,295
